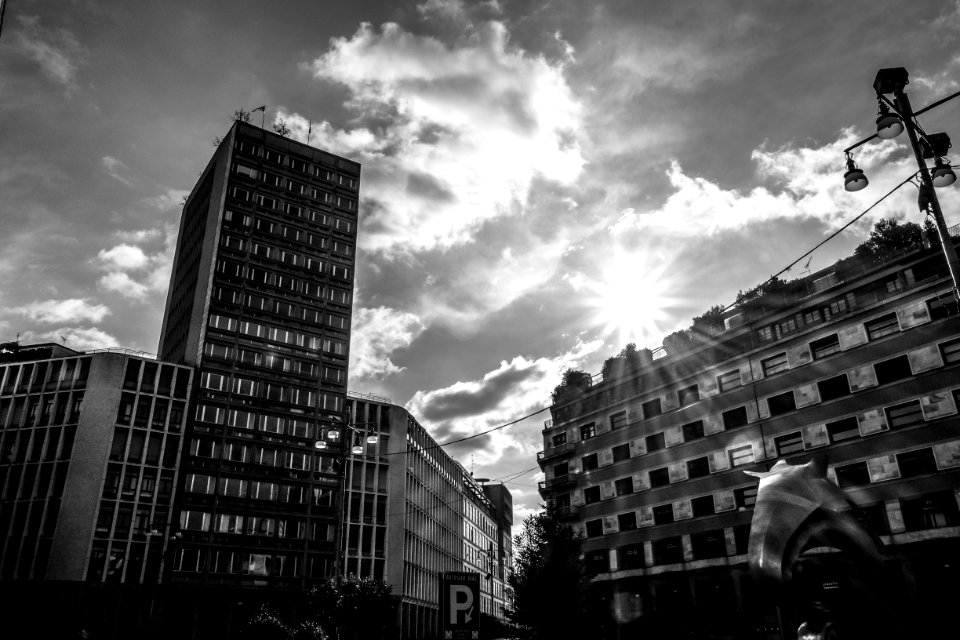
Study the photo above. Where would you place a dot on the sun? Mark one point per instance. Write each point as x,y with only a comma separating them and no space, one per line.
632,298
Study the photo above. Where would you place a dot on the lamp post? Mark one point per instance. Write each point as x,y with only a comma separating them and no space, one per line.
356,449
925,146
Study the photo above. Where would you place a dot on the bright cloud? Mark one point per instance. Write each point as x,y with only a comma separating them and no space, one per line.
82,339
134,272
123,257
56,51
463,129
807,183
378,333
57,311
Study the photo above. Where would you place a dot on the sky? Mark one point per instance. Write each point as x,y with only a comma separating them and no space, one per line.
543,181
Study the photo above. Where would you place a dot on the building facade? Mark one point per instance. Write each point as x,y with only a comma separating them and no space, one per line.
412,513
90,447
260,303
859,365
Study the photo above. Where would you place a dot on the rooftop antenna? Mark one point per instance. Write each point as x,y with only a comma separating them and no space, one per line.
806,267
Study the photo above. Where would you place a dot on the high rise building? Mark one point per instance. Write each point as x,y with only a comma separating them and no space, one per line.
260,303
858,363
90,446
413,513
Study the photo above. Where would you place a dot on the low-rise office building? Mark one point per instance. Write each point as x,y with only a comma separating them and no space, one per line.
861,365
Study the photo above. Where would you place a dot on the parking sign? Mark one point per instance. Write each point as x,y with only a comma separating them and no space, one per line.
460,605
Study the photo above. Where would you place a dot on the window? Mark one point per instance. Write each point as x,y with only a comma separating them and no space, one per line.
591,494
655,442
916,463
688,395
668,550
789,443
825,346
942,307
782,403
651,408
709,544
698,467
702,506
741,455
905,415
624,486
562,501
594,528
587,431
631,557
745,497
729,380
775,364
663,514
930,511
589,462
660,477
595,562
835,387
853,475
692,430
559,439
951,352
893,369
627,521
844,429
621,452
882,326
618,420
765,334
734,418
835,308
812,317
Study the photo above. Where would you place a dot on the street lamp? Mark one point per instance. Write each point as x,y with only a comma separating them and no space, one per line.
894,117
356,449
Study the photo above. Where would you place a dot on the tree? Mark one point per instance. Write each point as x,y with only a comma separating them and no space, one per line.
282,128
548,580
357,608
679,342
710,323
574,381
890,238
241,115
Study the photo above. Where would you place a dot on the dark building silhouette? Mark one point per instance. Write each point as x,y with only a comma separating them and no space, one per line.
857,363
260,303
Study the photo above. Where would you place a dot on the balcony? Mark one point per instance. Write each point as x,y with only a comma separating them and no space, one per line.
567,512
555,484
561,450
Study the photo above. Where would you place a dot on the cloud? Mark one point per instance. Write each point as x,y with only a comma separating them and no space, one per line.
803,182
57,311
167,201
514,389
453,132
123,257
378,333
136,273
56,51
115,169
124,285
82,339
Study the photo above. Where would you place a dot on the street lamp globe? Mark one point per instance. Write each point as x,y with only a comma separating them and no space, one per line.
889,125
854,179
943,175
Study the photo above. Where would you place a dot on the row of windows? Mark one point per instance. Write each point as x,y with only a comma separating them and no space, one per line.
239,194
235,272
281,307
243,563
905,464
147,411
297,188
259,490
256,454
271,391
41,410
276,334
256,421
327,173
156,379
730,419
44,376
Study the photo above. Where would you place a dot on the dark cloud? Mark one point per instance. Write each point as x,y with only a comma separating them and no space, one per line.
473,400
429,187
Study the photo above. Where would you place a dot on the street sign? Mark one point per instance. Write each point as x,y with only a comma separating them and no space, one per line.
460,605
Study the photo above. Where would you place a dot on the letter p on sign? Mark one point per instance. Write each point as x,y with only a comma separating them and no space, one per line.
461,600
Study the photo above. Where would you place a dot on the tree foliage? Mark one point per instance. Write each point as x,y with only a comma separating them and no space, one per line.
548,580
356,609
574,381
890,238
